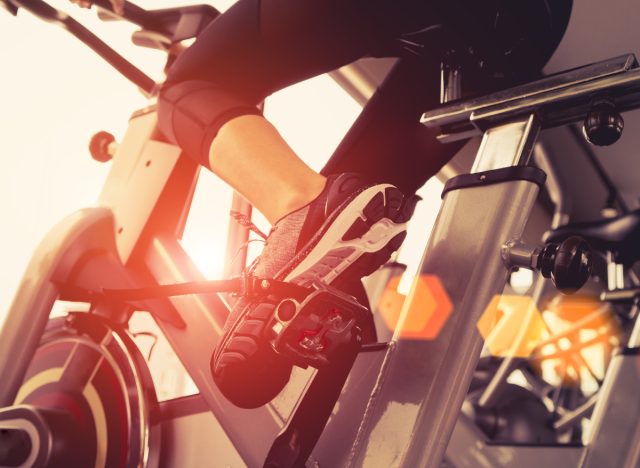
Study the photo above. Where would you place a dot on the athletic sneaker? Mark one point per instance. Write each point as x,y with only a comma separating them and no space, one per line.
346,233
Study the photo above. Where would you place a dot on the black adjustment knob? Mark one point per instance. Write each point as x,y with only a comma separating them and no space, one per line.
568,264
99,146
603,125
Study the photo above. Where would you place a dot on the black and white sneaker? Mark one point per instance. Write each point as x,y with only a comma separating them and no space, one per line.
346,233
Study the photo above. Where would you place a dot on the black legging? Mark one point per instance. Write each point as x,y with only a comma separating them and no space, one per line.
260,46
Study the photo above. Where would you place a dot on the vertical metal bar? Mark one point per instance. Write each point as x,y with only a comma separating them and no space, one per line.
615,273
72,238
505,145
614,431
422,384
634,337
251,431
450,83
491,395
553,185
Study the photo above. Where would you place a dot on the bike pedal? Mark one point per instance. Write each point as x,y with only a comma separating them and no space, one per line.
310,332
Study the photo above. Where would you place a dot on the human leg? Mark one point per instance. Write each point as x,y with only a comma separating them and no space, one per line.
250,51
344,233
387,142
268,173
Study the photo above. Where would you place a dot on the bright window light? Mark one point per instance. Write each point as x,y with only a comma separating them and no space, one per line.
56,93
419,231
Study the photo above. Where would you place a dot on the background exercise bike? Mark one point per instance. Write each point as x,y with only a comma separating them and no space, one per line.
84,368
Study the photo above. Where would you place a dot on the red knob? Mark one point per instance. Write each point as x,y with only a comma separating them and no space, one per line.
99,146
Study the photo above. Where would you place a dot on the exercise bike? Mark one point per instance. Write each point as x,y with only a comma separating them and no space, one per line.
562,376
76,390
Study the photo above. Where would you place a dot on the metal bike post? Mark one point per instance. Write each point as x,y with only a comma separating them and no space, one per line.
84,231
614,432
422,383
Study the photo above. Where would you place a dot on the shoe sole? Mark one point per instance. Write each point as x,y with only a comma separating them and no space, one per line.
367,230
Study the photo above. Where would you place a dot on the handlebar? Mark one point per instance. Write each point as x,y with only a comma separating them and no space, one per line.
175,23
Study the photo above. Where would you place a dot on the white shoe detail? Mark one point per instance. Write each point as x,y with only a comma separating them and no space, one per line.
375,239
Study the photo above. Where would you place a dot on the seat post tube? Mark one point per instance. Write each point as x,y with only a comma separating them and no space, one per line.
507,145
427,380
510,144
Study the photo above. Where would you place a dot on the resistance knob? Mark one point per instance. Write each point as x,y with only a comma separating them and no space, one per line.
603,125
102,146
568,264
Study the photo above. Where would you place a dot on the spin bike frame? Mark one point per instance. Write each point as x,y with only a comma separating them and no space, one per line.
411,389
510,122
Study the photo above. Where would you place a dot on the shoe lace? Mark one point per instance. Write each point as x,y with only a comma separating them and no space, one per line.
245,221
244,245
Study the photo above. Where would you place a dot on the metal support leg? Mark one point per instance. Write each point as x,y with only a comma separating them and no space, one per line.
79,233
614,432
422,384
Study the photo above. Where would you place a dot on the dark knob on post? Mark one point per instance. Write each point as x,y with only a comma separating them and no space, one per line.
568,264
604,124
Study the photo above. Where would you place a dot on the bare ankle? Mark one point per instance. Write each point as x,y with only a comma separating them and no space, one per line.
302,195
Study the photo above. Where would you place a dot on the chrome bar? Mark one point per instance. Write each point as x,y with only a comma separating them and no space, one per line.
428,379
557,100
460,112
553,185
507,145
492,392
570,418
615,274
614,433
634,338
450,83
